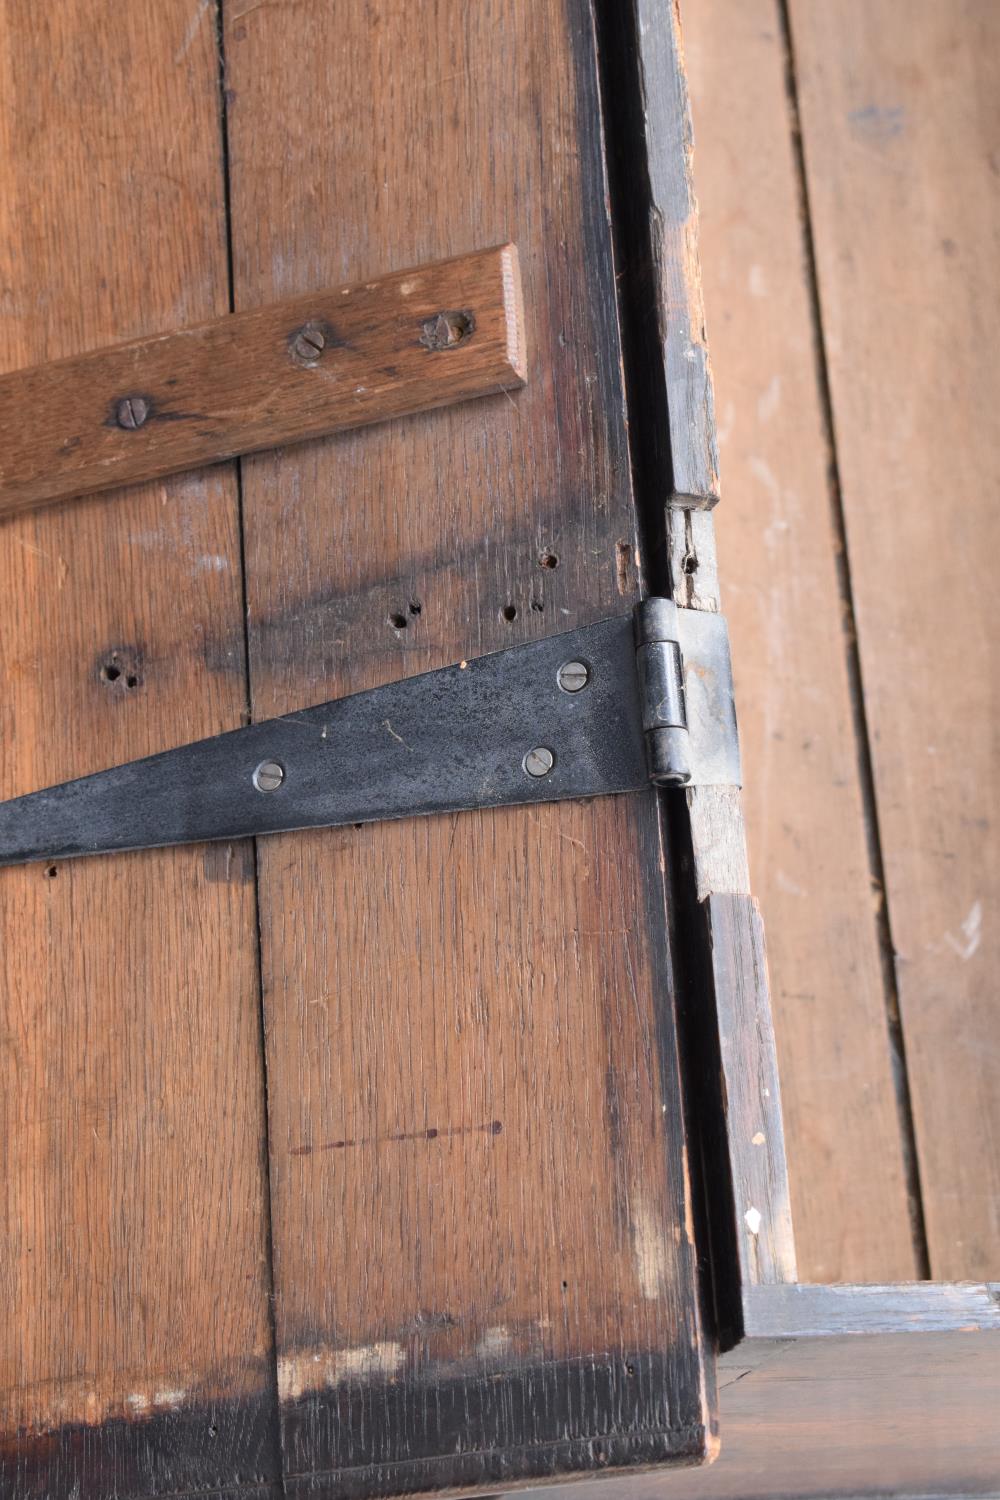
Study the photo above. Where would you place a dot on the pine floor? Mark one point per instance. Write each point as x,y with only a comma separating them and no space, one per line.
847,156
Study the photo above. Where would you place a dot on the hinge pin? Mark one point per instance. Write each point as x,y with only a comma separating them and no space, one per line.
661,690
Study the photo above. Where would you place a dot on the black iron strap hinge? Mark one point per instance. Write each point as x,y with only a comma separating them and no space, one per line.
606,708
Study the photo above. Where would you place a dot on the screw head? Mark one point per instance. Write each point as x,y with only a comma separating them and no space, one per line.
573,676
538,762
268,776
131,412
308,343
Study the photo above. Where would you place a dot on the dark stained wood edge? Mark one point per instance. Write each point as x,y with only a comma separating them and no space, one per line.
390,1437
802,1310
725,1009
303,368
211,1448
669,372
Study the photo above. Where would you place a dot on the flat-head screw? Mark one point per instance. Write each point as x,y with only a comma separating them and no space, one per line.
308,343
573,676
539,762
268,776
131,411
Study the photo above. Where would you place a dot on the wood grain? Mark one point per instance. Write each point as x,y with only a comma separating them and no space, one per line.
304,367
778,554
133,1259
479,1184
900,108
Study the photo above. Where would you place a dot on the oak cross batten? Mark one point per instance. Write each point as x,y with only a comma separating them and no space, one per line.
304,368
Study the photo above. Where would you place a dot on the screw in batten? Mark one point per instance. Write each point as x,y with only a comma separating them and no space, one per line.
539,762
131,412
308,343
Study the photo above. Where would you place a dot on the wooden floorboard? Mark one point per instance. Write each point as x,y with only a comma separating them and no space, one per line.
900,114
133,1258
782,590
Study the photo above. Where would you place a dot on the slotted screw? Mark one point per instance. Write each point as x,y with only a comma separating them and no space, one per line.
573,676
539,762
309,343
131,411
268,776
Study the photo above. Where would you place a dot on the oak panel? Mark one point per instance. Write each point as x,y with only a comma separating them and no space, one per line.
477,1159
133,1260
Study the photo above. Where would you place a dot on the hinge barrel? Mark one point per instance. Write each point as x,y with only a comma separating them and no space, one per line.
661,692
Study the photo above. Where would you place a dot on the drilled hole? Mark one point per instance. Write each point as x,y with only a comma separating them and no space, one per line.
509,612
548,560
397,621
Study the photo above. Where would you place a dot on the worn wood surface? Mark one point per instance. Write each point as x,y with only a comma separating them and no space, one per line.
483,1264
306,366
809,828
752,1102
803,1310
670,388
900,107
135,1347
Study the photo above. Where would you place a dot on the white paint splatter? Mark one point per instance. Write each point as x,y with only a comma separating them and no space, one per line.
650,1250
972,933
787,884
315,1369
212,562
756,282
494,1343
753,1220
169,1399
758,1139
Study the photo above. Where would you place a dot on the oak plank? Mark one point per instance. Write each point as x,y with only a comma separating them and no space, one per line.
483,1258
900,108
304,367
135,1350
778,556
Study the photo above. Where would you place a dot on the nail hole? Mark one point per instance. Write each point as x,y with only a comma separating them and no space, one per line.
548,560
415,606
110,672
509,612
358,827
630,1369
213,1431
690,563
565,1286
537,606
52,872
397,621
131,681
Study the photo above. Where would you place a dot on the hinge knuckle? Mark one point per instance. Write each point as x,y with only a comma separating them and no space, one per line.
661,692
